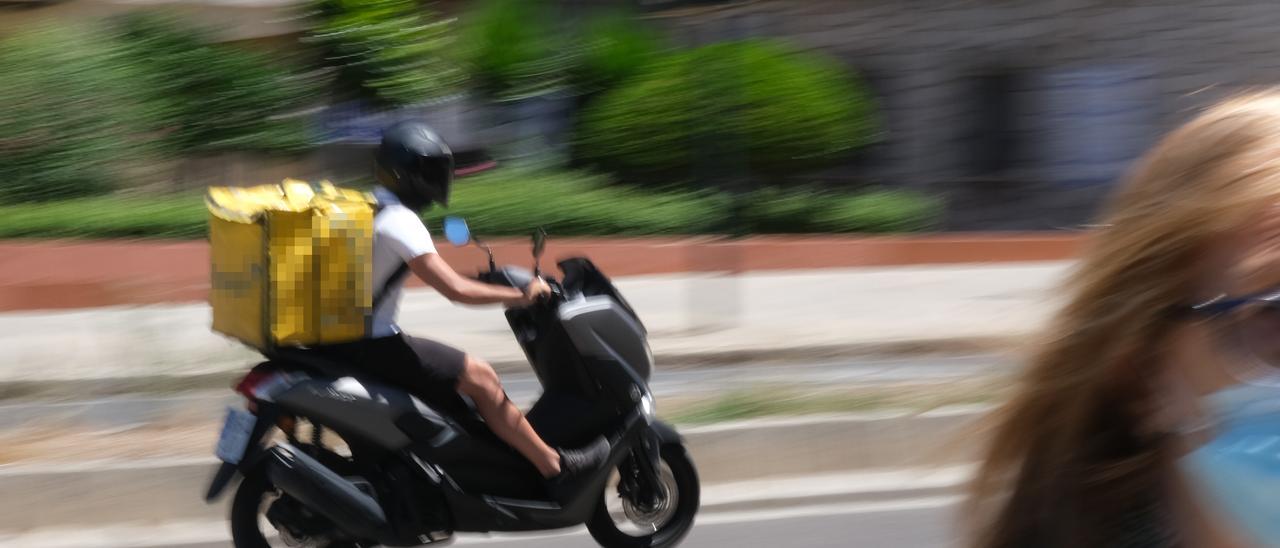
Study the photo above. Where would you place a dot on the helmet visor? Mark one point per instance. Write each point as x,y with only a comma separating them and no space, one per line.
433,179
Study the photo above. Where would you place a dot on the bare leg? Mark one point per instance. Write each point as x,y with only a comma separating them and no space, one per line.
480,382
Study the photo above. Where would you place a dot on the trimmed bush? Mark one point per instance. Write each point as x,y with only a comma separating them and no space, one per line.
781,109
70,119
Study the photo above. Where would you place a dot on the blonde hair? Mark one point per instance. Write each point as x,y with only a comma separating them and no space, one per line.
1068,451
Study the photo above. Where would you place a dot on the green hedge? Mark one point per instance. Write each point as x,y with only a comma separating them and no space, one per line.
107,217
513,202
815,211
780,109
877,211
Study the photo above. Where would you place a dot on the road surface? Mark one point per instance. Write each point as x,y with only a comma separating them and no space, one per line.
909,523
918,523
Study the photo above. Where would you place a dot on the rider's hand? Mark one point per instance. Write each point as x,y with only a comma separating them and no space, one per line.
536,291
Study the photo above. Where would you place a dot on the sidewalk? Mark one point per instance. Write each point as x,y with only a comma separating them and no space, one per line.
692,319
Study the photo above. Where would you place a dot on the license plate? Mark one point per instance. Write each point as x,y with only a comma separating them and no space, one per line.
235,435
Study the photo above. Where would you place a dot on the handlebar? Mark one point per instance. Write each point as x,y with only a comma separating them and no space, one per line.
518,278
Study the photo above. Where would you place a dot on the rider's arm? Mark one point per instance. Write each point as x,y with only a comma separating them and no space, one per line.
437,273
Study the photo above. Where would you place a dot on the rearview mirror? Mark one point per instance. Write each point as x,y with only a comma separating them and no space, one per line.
457,231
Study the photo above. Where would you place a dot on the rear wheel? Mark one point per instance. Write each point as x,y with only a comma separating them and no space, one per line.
263,517
619,522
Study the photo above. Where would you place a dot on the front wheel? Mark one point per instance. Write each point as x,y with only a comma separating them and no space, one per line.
619,522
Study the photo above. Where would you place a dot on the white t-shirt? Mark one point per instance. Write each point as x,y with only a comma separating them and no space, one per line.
399,236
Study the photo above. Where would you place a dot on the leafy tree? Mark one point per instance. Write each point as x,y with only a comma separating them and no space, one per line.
213,97
614,47
391,52
512,49
70,115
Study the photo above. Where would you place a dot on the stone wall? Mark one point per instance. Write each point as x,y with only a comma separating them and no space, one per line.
1084,85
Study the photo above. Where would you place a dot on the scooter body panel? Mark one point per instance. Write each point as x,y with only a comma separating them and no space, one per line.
489,513
363,411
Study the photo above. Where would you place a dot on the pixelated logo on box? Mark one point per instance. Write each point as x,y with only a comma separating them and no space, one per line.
236,281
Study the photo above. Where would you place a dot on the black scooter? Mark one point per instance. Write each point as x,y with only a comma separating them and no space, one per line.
330,459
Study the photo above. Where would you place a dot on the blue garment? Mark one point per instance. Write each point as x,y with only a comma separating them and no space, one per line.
1239,469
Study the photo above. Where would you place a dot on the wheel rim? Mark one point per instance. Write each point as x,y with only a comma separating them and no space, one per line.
631,519
280,538
276,537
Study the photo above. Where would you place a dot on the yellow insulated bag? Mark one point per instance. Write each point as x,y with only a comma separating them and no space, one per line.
291,263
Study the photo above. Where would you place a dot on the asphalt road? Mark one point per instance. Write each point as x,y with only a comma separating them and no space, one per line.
908,523
916,523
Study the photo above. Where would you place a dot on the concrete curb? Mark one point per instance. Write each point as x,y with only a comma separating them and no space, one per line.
91,387
95,494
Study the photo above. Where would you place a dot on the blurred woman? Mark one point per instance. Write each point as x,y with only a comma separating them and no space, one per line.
1150,414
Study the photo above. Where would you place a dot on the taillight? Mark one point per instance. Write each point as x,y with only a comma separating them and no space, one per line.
264,382
251,381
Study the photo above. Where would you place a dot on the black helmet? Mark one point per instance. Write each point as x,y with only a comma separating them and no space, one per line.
415,164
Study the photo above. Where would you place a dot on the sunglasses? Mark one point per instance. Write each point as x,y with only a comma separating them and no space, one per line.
1248,326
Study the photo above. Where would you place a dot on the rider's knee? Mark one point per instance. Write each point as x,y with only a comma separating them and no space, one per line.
479,379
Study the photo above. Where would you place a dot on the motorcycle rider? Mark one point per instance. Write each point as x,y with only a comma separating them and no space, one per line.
414,170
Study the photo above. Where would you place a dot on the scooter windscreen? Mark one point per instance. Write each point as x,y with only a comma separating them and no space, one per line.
582,277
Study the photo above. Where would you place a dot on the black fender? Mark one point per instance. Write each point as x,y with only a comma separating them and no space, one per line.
221,478
647,454
666,433
267,415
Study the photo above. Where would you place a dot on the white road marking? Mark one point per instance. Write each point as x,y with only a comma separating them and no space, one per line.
729,518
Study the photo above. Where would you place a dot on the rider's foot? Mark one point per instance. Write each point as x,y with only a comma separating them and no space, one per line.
576,464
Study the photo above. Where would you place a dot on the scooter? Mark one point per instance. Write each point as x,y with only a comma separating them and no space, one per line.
330,459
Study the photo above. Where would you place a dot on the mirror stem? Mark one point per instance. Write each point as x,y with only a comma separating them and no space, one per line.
539,246
489,251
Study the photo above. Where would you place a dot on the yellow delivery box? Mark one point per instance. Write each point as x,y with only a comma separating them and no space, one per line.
291,263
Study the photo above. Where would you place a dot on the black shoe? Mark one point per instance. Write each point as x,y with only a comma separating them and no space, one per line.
576,464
